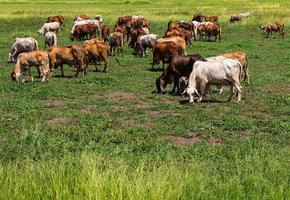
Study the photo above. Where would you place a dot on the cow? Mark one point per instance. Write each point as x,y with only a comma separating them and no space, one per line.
276,27
21,45
58,18
164,51
105,33
99,18
199,29
135,35
213,19
180,42
213,30
246,14
218,72
50,39
97,50
124,20
116,42
81,17
38,58
197,17
179,66
88,21
235,18
71,55
85,31
51,26
144,42
243,59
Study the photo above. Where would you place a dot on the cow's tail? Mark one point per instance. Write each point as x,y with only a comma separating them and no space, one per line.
35,45
220,33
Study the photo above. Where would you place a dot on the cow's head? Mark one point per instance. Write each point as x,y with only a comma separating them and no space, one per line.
10,58
15,76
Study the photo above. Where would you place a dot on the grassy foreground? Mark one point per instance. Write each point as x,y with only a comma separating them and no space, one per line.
110,136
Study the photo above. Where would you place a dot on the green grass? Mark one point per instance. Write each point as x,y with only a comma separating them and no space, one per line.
108,136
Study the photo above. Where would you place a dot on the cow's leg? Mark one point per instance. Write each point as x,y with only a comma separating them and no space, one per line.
29,73
62,73
175,85
203,91
239,91
231,93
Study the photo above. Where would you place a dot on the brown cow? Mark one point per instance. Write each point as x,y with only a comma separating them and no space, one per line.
58,18
105,33
135,35
276,27
179,41
235,18
116,42
85,31
243,59
213,30
96,50
213,19
124,20
71,55
179,66
197,17
83,17
39,59
164,51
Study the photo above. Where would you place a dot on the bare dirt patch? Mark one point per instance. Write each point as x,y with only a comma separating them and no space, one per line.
125,123
54,103
59,120
121,95
157,114
88,108
276,88
191,139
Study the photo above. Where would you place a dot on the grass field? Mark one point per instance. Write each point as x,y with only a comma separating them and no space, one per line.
110,136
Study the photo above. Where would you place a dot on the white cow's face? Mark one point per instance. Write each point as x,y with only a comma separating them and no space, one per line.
10,58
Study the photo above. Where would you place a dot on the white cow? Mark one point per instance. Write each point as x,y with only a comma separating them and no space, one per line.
51,26
22,45
246,14
144,42
83,22
50,39
99,17
217,72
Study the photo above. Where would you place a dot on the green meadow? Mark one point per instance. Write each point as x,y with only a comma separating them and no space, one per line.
111,136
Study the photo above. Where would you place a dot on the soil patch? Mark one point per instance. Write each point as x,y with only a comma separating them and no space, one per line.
157,114
276,88
59,120
121,95
54,103
191,139
88,108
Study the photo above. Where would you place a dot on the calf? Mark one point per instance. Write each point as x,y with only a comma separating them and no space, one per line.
105,33
116,42
220,72
51,26
26,60
71,55
179,66
21,45
50,39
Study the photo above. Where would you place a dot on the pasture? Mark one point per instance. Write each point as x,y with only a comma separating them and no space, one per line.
111,136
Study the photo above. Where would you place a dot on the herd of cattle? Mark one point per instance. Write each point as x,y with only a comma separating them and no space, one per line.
191,74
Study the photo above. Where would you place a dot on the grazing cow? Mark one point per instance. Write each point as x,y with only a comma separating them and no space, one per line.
135,35
99,18
58,18
26,60
213,19
97,50
269,28
105,33
50,39
51,26
219,72
21,45
71,55
144,42
82,32
116,42
213,30
81,17
197,17
243,59
179,66
88,21
235,18
179,41
164,51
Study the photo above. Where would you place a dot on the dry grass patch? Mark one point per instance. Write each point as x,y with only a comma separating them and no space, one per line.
88,108
54,103
59,120
192,138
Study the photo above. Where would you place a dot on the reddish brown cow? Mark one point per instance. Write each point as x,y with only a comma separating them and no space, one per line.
211,19
235,18
86,31
105,32
276,27
58,18
134,37
213,30
197,17
81,16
